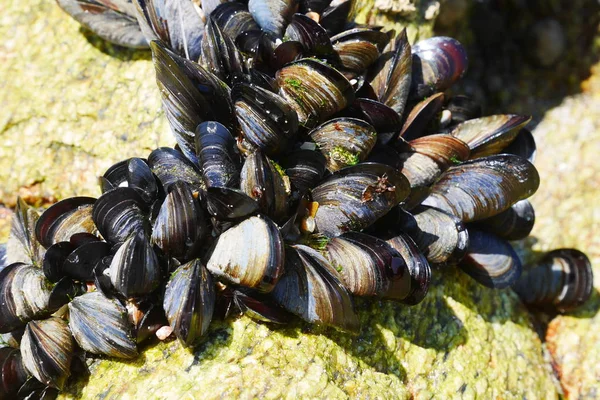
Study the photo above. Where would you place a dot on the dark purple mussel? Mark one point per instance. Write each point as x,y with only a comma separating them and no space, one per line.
229,204
489,135
390,75
312,289
369,266
315,90
437,63
100,326
513,224
312,37
217,153
250,254
135,269
180,224
120,212
562,281
113,21
171,166
523,145
358,48
64,219
177,24
273,15
354,197
12,372
268,122
190,95
344,141
220,55
384,119
234,19
305,168
189,301
47,350
421,117
264,181
484,187
491,260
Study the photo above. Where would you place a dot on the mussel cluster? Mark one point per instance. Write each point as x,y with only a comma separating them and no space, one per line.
317,159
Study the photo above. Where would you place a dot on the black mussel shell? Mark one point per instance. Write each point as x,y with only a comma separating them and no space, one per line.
22,231
562,280
344,141
262,180
305,168
437,63
463,108
259,308
220,55
314,89
120,212
313,38
180,224
80,263
8,318
141,178
100,326
189,301
47,350
29,291
217,153
63,219
149,318
513,224
250,254
114,176
135,269
384,119
484,187
335,17
390,76
234,19
273,15
12,372
64,291
112,21
311,288
368,266
229,204
267,120
354,197
523,145
491,260
171,166
489,135
421,117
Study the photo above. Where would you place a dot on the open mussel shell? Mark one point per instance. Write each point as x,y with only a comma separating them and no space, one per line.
314,89
273,15
437,63
513,224
190,95
421,116
170,166
262,180
491,260
311,288
234,18
189,301
115,23
180,224
384,119
355,197
390,76
23,244
313,38
219,54
259,308
562,280
338,15
65,218
523,145
250,254
441,237
344,141
489,135
305,168
229,204
268,122
418,267
12,372
135,269
484,187
147,318
358,48
119,213
368,266
100,326
47,350
217,155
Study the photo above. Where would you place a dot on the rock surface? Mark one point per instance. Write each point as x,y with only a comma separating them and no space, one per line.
70,106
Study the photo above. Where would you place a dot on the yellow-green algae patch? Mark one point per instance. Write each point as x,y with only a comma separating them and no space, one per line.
68,109
463,341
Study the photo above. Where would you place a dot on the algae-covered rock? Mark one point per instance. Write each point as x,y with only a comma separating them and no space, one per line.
463,341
